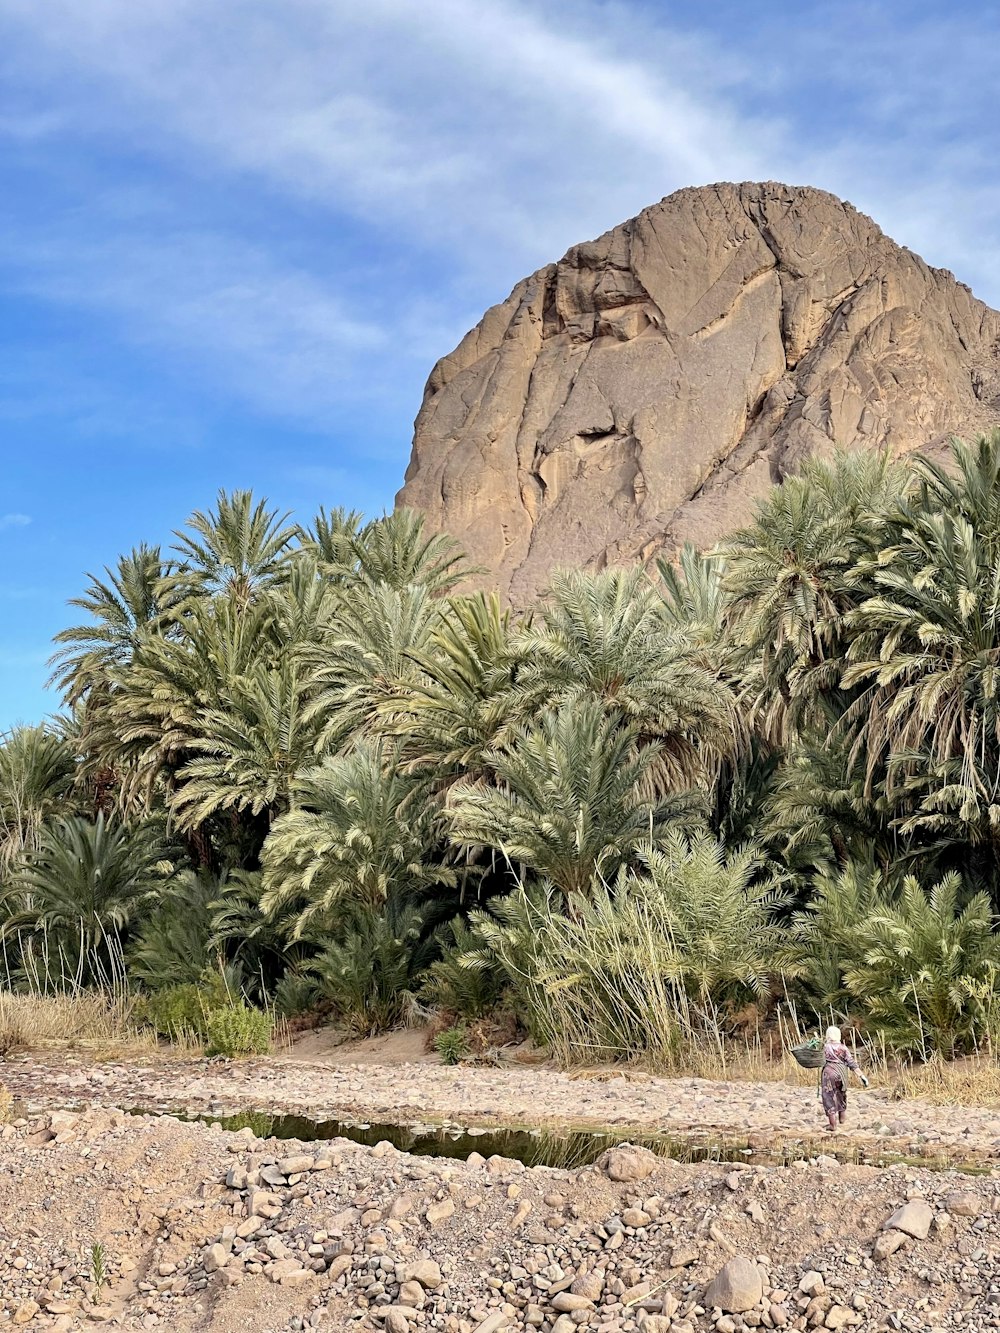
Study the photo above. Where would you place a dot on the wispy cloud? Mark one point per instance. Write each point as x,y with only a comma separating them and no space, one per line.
14,521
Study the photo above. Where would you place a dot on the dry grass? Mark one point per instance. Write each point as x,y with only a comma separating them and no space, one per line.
87,1020
6,1102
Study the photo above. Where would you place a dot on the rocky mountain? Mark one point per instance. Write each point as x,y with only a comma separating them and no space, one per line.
642,391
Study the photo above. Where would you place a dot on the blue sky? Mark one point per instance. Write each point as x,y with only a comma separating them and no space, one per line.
236,234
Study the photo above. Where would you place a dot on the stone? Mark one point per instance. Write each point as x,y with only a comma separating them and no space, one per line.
914,1217
627,1163
26,1311
886,1244
566,1302
426,1272
635,1217
840,1316
411,1294
296,1166
811,1283
682,1256
590,1285
736,1288
440,1212
564,1324
396,1321
339,1266
644,390
963,1203
216,1257
494,1322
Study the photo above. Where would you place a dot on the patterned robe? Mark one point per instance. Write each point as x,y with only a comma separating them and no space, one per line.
837,1060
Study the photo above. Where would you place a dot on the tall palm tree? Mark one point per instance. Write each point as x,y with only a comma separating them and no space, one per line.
604,638
249,749
370,658
924,655
360,833
569,803
459,704
236,549
397,550
130,602
791,576
37,770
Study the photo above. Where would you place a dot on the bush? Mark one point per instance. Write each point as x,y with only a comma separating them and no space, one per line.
6,1102
452,1045
179,1011
455,984
239,1030
368,974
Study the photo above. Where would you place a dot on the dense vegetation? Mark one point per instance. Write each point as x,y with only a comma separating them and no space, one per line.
299,770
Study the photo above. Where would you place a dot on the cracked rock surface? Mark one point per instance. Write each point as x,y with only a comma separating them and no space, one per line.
645,389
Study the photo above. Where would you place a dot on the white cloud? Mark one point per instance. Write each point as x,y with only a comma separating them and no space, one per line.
471,140
14,521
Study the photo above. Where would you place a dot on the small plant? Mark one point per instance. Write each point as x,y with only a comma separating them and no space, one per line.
452,1045
98,1269
6,1102
239,1030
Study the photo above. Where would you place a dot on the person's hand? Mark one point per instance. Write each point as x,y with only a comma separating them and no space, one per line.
864,1081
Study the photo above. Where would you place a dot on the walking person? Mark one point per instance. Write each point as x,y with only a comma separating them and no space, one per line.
837,1060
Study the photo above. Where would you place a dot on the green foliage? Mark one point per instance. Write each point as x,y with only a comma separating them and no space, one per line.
98,1269
36,783
295,752
927,969
238,1030
569,805
368,972
454,983
362,833
452,1045
79,895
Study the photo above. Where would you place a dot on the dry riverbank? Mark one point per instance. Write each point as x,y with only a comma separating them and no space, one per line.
514,1095
204,1231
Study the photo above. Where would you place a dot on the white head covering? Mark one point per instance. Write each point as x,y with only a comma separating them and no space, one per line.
833,1034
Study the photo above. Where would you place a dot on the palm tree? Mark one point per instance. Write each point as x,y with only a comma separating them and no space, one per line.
370,658
80,894
331,540
248,750
929,968
604,638
37,771
237,549
458,705
568,803
924,654
130,602
360,833
397,550
791,576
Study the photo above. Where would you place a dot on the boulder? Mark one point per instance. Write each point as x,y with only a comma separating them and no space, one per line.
627,1163
914,1218
736,1288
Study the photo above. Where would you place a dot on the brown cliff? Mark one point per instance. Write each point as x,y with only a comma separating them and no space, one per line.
644,390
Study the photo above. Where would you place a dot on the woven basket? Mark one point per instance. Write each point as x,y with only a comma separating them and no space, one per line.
809,1055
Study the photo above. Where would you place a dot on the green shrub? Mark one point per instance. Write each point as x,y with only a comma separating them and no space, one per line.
455,984
177,1011
239,1030
452,1045
369,973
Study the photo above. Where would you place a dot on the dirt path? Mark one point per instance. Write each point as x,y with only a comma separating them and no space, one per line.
543,1097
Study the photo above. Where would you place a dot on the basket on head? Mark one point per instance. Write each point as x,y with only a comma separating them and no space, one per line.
809,1054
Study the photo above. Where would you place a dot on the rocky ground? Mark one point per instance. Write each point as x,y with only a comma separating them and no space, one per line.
201,1229
406,1092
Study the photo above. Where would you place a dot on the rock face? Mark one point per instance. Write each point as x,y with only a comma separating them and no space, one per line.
643,391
